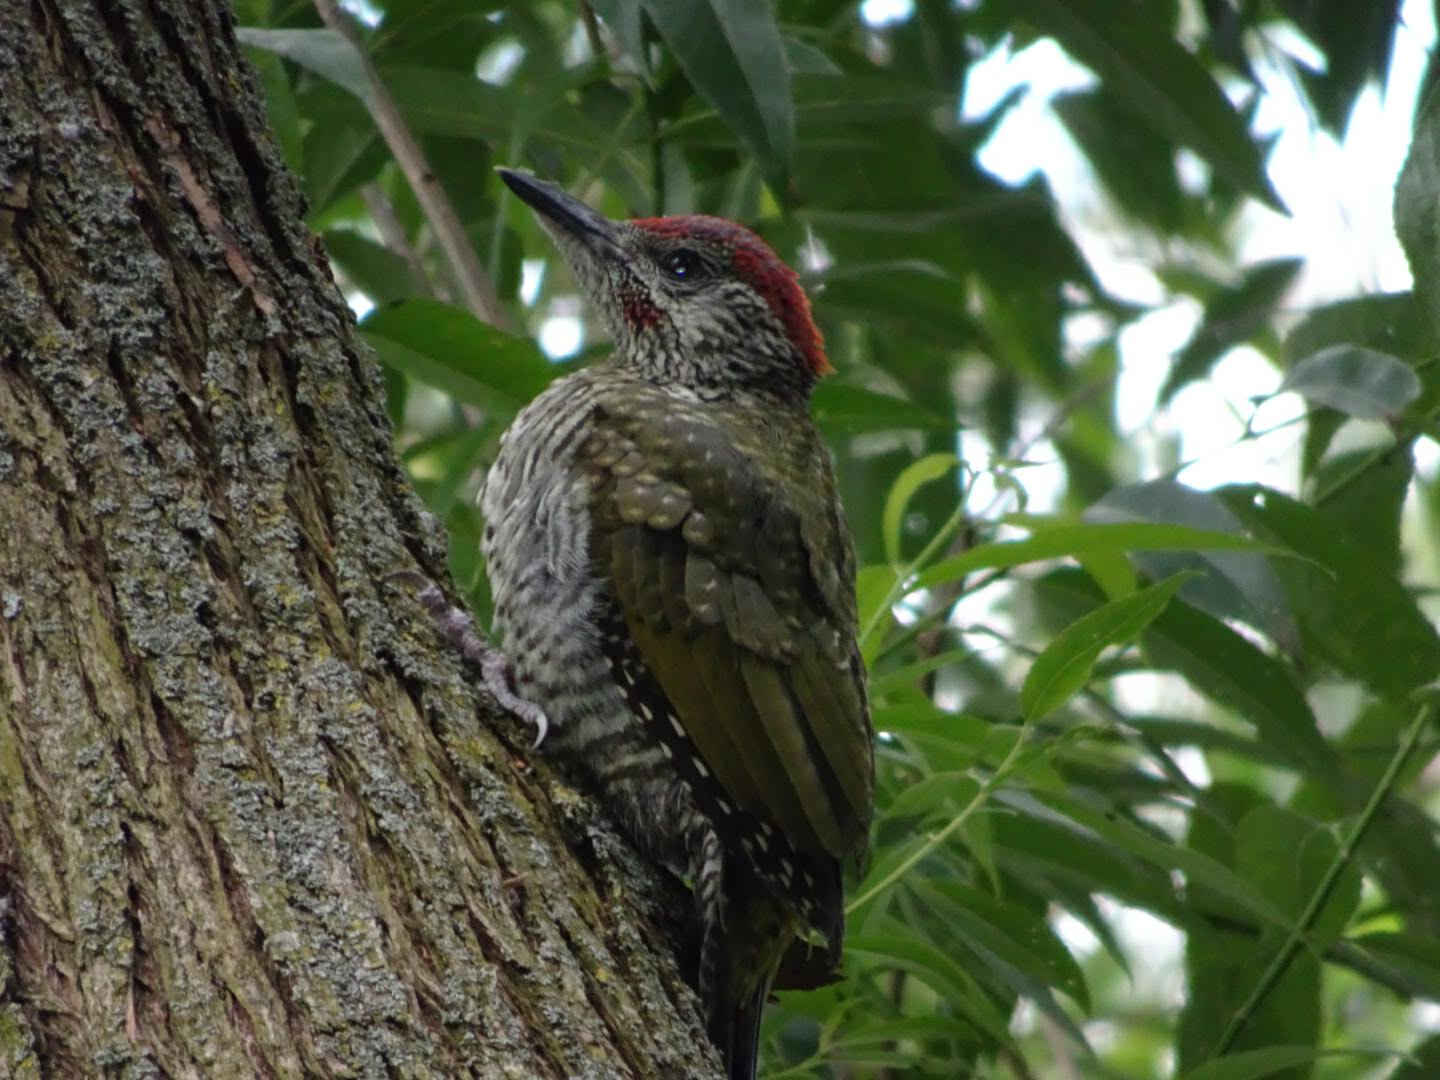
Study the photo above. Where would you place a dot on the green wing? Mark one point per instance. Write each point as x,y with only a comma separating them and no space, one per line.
736,587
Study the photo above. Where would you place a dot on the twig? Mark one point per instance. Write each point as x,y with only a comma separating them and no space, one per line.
392,233
1327,884
934,840
592,30
476,288
902,586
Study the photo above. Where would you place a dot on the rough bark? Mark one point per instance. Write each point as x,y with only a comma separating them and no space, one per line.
254,819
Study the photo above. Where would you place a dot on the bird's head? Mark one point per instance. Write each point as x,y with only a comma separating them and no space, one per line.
690,300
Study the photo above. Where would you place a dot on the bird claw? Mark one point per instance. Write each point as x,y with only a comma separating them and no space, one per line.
459,629
497,680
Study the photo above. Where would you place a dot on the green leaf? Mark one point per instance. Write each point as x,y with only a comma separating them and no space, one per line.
927,718
280,107
1356,41
1415,956
1075,540
914,477
376,271
899,947
1417,212
839,409
912,296
1423,1062
802,58
1367,500
1020,937
1391,323
1267,1062
325,52
1360,382
452,350
1063,668
872,587
938,793
1089,821
342,148
1046,849
732,52
1286,856
1351,614
1388,322
1233,317
1229,585
1134,162
1260,690
1162,83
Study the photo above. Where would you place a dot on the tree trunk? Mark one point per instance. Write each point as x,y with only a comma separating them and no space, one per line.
254,818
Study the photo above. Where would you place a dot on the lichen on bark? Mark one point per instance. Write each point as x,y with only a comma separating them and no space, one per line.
254,818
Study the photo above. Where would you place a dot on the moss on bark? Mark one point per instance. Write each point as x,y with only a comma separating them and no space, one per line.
254,819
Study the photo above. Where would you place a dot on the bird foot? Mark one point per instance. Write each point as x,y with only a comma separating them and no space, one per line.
459,629
496,670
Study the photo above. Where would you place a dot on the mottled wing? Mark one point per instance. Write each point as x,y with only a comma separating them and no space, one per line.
736,589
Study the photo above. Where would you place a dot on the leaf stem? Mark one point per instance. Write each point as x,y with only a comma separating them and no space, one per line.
981,796
901,588
1326,886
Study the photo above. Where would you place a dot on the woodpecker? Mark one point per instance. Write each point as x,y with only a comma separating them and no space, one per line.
674,585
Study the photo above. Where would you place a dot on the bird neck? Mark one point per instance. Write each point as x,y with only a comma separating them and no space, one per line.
762,374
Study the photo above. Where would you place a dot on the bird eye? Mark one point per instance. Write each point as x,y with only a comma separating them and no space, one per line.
683,265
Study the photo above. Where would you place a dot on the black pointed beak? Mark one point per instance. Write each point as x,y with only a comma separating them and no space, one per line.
565,214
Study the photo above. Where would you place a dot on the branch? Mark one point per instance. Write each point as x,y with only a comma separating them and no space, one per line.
1322,892
475,285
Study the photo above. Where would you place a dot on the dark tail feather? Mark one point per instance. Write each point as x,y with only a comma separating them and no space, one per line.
736,1031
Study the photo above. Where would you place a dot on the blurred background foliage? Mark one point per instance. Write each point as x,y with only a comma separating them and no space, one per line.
1148,613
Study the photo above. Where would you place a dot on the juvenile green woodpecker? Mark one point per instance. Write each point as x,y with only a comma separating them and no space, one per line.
674,585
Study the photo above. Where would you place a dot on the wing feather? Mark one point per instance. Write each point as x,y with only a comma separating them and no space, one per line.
736,586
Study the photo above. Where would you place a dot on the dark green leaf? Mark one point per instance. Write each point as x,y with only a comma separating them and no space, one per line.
1351,614
731,51
1085,819
1232,318
323,51
1359,382
1286,856
1416,956
1267,1062
1356,41
902,949
841,409
1388,322
1229,585
1064,666
450,349
1160,81
1020,937
1134,162
1417,212
1063,541
281,108
1423,1062
1229,669
940,793
1366,498
376,271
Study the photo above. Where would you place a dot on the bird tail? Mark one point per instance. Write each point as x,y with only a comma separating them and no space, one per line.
736,1031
